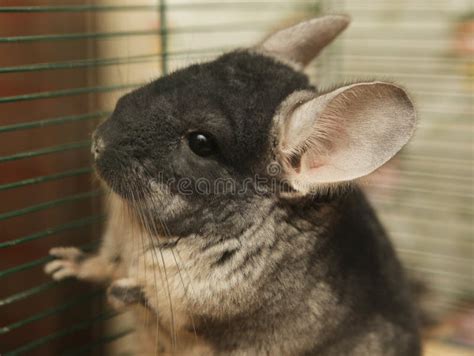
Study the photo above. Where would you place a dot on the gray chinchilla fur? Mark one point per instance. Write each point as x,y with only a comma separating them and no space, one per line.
235,226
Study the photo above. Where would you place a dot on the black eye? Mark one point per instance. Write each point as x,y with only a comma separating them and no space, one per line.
202,144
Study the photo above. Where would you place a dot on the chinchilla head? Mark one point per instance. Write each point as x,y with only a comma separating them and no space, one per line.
248,124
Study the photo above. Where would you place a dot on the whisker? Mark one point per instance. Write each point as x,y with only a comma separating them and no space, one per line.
154,200
143,221
185,287
157,264
129,203
155,232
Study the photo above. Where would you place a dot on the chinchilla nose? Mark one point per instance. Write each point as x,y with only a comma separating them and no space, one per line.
97,146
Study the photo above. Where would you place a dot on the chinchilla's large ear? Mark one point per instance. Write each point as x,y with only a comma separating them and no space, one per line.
299,44
342,135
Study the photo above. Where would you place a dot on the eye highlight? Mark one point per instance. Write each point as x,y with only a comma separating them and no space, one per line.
202,144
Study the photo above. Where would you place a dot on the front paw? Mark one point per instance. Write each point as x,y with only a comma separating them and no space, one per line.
124,292
67,263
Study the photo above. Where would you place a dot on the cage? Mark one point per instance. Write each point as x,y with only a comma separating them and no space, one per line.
63,66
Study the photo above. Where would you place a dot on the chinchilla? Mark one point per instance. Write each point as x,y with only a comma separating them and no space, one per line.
235,224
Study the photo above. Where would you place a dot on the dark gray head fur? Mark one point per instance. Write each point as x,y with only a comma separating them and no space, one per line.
261,109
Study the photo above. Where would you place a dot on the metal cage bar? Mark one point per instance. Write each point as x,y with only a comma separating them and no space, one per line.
441,162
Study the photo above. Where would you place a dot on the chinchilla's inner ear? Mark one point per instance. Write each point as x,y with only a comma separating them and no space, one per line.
342,135
299,44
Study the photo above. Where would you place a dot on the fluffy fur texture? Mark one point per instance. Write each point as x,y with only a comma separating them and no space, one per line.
248,271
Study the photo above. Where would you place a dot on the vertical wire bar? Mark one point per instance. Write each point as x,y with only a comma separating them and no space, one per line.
164,37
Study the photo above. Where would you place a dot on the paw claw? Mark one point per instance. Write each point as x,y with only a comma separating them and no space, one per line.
53,266
67,253
63,274
66,264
